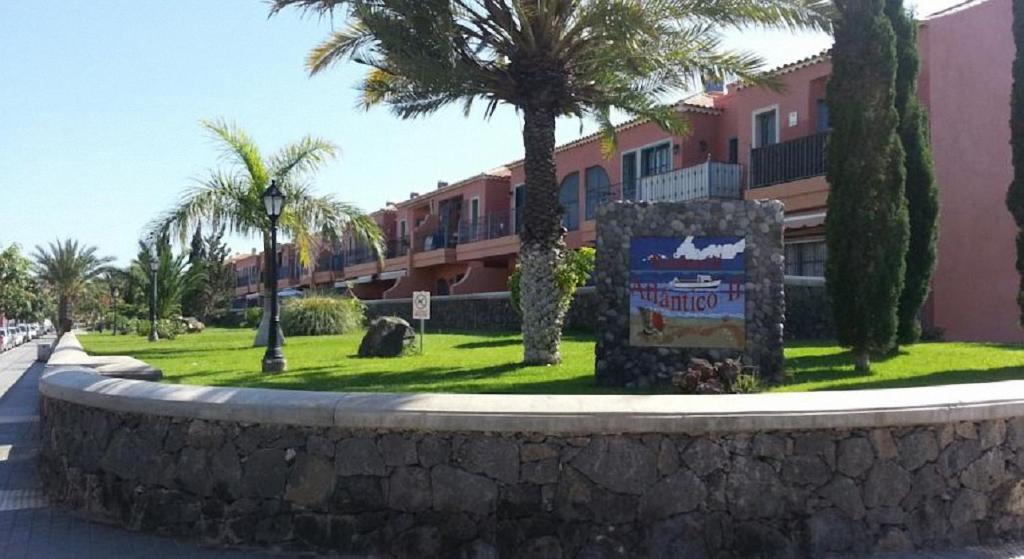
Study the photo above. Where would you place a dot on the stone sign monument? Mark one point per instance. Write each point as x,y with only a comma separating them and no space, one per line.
688,279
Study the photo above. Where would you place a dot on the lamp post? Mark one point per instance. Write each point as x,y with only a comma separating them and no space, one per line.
273,202
113,310
154,267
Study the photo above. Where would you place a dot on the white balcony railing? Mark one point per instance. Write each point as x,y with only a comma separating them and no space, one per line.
706,180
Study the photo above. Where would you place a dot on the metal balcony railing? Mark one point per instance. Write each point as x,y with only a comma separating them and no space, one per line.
788,161
360,255
439,239
493,225
710,179
397,248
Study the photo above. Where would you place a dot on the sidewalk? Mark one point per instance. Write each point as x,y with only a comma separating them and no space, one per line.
29,528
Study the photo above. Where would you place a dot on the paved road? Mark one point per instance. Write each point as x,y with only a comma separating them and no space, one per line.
29,528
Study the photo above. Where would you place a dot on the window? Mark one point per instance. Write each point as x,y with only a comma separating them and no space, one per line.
806,258
402,229
655,160
823,123
474,211
569,197
629,175
734,150
766,127
597,187
651,160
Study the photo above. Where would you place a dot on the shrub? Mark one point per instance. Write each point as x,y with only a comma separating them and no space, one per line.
319,315
574,271
166,329
253,316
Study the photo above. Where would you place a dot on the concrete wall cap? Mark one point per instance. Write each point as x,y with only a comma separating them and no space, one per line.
566,414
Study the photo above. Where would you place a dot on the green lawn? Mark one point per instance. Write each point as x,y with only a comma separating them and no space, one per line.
490,363
450,363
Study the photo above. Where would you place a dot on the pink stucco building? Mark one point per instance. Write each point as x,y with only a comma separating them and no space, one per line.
744,142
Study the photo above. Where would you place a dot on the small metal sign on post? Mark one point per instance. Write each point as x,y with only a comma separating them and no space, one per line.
421,310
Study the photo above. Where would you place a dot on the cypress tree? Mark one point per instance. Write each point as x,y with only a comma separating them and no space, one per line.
1015,195
867,227
921,191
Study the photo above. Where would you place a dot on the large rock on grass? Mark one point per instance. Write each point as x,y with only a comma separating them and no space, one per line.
388,336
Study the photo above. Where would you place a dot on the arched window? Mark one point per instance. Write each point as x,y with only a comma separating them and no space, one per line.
598,188
569,197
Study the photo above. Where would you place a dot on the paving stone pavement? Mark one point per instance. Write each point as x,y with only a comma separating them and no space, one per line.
30,528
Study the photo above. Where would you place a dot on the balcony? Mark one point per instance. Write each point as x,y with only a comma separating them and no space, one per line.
788,161
493,225
397,248
706,180
360,255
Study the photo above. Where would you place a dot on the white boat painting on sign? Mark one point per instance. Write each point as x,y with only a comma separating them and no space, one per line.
703,281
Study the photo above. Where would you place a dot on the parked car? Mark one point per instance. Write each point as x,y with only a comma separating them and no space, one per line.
16,338
26,334
4,337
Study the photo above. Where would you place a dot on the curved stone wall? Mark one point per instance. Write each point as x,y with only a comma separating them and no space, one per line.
408,475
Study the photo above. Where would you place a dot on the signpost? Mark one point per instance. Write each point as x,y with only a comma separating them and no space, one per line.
421,310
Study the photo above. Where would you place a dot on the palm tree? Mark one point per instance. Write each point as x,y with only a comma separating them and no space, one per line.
67,267
172,279
233,197
547,59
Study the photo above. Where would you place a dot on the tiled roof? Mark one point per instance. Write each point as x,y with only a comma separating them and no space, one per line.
790,67
701,107
496,173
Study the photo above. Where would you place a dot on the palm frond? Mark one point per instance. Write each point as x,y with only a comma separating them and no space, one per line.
240,147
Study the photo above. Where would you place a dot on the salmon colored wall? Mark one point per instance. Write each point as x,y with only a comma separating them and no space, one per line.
424,279
970,53
798,95
482,279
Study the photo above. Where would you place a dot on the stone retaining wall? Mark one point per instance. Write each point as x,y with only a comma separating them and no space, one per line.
808,316
540,476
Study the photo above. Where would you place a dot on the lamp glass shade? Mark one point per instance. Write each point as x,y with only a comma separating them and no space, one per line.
273,200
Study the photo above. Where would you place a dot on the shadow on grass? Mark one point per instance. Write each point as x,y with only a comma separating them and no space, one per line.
838,362
504,342
932,379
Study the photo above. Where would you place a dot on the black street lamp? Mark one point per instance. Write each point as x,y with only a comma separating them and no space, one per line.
113,310
273,359
154,267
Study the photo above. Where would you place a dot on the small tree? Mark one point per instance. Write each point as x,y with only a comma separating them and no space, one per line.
1015,195
922,194
867,225
17,297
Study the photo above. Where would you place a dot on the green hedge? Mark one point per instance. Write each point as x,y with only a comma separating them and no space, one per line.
253,316
166,329
320,315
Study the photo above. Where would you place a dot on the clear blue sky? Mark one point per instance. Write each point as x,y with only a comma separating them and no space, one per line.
100,103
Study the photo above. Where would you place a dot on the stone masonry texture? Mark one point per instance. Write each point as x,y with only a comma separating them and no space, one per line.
759,222
477,495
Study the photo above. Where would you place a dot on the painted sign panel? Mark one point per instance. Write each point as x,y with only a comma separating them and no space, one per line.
687,292
421,305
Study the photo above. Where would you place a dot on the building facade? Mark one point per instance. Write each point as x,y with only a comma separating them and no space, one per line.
744,142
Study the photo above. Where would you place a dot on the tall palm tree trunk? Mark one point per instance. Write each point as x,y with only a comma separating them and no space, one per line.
64,313
269,286
543,248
